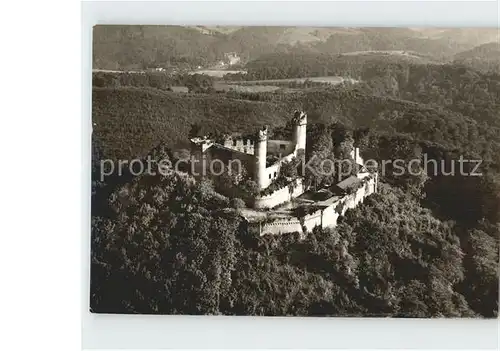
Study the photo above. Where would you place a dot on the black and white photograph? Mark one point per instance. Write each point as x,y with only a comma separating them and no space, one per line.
295,171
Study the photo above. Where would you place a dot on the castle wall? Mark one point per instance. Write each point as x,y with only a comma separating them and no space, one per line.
325,218
239,144
247,160
280,147
353,200
350,202
272,172
330,216
281,226
291,225
227,156
280,196
313,220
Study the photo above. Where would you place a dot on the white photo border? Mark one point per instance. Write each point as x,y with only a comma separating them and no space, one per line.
146,332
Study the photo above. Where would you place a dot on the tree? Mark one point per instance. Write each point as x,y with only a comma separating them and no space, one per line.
173,253
195,130
481,266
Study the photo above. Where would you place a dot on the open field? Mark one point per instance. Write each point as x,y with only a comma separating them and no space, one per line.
242,88
117,71
218,73
384,52
406,55
334,80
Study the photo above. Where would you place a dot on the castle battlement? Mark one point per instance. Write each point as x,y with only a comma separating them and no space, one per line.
299,118
261,134
238,143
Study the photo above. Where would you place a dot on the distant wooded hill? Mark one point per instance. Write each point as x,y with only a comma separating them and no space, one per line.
138,47
485,57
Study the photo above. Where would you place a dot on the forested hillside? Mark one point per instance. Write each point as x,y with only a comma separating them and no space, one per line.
485,57
130,121
405,75
183,249
138,47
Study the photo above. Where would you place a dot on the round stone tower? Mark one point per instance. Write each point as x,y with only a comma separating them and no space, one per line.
260,152
299,129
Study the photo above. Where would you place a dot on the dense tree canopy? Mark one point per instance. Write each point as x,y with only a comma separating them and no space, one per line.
173,246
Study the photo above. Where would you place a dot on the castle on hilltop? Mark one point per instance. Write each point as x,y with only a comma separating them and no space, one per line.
263,159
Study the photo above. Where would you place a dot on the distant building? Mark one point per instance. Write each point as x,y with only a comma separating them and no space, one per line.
232,58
